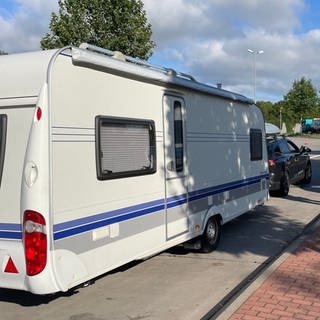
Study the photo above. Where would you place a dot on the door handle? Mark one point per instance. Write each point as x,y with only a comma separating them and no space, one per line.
170,166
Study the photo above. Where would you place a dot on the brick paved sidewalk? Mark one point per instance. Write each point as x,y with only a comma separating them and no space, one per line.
292,291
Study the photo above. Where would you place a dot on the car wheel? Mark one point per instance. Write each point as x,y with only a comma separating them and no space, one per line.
307,174
211,235
284,184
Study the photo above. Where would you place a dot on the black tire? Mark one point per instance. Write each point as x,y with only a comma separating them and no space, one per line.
307,174
284,184
211,235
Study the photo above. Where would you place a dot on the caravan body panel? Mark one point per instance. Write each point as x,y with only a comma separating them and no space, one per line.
120,160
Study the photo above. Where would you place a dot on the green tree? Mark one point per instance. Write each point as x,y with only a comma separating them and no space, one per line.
271,112
277,112
302,100
267,110
2,53
287,115
119,25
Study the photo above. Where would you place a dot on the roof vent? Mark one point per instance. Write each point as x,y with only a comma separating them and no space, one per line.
119,56
171,73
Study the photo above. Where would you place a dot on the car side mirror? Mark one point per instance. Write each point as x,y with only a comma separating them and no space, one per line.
304,149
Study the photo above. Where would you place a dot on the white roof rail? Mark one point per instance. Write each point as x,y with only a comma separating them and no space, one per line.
118,55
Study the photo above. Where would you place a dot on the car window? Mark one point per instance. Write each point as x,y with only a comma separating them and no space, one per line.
283,145
292,147
277,149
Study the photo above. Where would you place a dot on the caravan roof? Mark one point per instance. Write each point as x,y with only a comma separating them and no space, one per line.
28,72
23,74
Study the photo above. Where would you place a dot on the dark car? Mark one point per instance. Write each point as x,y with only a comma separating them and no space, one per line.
287,164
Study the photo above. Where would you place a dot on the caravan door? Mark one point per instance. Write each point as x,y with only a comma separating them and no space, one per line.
176,201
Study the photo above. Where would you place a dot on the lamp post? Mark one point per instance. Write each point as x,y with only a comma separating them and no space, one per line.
254,53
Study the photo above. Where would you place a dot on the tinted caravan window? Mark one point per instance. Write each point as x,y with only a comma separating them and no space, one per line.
178,136
255,144
3,136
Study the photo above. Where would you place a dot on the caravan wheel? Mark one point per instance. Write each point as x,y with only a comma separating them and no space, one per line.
211,236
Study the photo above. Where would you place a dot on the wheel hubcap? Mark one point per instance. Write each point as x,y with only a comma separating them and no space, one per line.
211,232
309,172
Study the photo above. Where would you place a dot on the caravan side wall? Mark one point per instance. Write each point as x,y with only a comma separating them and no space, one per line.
221,171
100,224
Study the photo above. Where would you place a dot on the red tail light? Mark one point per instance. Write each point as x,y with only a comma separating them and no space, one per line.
35,242
272,163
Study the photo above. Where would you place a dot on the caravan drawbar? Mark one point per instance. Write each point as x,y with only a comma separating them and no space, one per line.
105,159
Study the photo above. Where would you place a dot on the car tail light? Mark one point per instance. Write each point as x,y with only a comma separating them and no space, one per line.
272,163
35,242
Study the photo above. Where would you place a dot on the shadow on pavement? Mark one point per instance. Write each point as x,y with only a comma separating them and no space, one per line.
303,199
264,232
27,299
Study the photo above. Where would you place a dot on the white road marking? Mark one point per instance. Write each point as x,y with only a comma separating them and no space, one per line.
316,156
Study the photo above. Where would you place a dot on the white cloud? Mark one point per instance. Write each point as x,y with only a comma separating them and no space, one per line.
206,38
22,29
214,35
38,6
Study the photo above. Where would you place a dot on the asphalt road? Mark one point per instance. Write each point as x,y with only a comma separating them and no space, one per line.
179,284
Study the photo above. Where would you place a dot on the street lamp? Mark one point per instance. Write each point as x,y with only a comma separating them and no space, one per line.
254,53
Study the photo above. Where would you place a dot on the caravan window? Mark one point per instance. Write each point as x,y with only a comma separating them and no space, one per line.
255,144
178,136
3,134
124,147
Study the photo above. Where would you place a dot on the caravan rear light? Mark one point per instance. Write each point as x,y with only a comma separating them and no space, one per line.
35,242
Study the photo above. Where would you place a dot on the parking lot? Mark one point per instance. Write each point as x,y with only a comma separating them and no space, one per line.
180,284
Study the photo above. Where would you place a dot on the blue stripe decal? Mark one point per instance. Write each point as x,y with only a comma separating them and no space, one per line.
105,215
10,231
102,223
10,226
70,228
10,235
196,195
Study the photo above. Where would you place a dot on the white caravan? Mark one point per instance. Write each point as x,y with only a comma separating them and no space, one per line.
105,159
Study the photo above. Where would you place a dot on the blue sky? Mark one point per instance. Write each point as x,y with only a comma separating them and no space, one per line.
310,19
7,5
207,38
